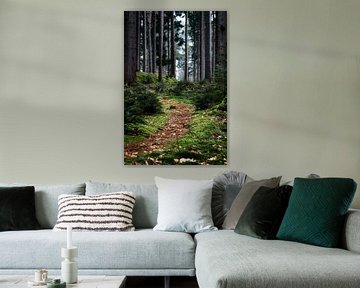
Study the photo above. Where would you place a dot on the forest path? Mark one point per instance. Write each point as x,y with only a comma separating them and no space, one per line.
177,125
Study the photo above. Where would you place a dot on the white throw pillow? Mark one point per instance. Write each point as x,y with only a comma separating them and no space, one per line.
184,205
104,212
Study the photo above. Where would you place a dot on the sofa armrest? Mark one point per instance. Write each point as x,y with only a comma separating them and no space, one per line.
351,234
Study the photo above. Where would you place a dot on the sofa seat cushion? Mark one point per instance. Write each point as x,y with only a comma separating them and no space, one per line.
138,250
226,259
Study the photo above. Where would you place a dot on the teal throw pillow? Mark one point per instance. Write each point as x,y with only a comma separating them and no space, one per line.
316,211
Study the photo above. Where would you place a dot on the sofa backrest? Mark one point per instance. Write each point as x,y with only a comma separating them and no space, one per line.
146,203
351,235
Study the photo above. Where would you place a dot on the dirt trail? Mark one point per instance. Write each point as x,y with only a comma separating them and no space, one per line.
176,126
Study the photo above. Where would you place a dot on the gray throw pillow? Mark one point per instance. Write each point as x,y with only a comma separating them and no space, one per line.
226,187
243,198
310,176
184,205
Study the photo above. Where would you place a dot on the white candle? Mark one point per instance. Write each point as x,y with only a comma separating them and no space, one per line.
69,237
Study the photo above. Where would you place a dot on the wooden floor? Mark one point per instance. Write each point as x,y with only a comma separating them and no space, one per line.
158,282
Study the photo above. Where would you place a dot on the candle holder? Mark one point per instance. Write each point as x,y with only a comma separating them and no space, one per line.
69,271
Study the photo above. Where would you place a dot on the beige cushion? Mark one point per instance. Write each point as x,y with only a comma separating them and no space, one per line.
243,198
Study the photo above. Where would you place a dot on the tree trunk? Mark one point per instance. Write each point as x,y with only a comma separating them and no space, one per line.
221,47
154,43
202,46
144,42
149,39
213,44
207,40
172,52
168,43
129,47
138,35
186,69
198,50
161,44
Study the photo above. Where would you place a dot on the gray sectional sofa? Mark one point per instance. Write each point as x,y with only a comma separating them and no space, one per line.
219,259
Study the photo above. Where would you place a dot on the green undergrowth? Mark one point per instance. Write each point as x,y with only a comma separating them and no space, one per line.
148,104
204,144
149,125
152,123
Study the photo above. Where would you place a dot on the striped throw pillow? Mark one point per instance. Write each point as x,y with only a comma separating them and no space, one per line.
105,212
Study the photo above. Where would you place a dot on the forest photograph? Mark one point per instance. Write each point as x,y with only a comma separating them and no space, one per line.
175,88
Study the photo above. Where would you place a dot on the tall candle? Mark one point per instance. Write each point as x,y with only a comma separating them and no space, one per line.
69,237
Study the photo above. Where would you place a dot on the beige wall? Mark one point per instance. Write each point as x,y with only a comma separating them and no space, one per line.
294,89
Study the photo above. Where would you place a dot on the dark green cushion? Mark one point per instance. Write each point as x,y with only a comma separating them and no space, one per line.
17,208
264,212
316,211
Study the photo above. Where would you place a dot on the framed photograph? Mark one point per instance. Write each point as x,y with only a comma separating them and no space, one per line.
175,88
